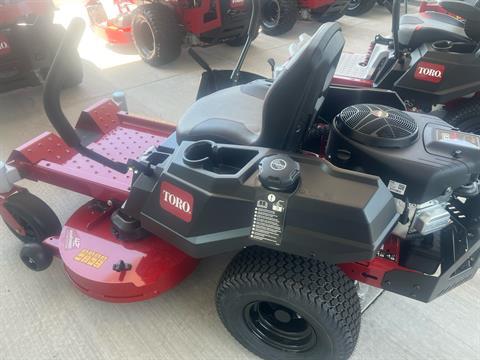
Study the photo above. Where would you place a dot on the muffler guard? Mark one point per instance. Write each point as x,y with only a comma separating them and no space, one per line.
460,260
426,288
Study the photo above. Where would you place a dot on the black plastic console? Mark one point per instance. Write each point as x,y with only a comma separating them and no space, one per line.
207,198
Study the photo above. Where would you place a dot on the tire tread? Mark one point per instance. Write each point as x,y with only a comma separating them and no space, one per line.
316,281
165,29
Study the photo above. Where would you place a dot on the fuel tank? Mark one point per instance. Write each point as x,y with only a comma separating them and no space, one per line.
208,198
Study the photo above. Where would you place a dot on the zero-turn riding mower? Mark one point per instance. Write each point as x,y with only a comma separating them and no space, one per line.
432,62
28,43
159,28
390,200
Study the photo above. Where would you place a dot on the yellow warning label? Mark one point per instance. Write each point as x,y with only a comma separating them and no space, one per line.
91,258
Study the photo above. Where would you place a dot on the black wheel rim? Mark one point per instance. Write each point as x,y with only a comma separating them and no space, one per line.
271,13
144,38
279,327
353,4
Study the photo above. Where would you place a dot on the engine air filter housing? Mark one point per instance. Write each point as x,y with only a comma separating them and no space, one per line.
377,126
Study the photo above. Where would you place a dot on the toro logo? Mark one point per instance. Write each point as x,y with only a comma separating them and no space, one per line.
176,201
430,72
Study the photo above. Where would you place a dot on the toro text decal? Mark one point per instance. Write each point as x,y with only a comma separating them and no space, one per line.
430,72
176,201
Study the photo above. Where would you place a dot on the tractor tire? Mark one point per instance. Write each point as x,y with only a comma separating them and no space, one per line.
156,34
35,216
241,40
281,306
359,7
466,116
278,16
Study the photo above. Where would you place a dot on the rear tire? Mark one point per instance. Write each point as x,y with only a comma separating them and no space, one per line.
282,306
35,216
279,16
156,34
359,7
466,116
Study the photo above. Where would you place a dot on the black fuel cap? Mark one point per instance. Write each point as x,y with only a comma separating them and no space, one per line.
279,173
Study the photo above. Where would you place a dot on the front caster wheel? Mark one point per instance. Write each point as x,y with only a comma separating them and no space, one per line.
281,306
35,217
36,257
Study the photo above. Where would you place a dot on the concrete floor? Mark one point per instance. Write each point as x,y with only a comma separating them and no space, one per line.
43,317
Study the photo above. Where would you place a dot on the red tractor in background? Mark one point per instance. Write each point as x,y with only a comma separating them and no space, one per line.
159,28
28,44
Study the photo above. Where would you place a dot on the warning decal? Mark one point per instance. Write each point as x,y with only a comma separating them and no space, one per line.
91,258
269,218
72,240
396,187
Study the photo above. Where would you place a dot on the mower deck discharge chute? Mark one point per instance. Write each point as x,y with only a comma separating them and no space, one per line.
310,206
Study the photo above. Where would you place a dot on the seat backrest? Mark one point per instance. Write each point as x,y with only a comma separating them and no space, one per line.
299,90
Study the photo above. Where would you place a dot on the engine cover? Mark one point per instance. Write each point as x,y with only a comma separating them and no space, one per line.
377,125
418,156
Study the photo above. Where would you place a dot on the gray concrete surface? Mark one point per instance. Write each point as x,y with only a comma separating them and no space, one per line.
43,317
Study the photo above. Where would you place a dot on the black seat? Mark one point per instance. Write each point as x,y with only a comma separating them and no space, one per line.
428,27
262,113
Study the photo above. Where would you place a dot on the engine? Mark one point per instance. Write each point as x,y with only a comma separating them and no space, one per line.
422,160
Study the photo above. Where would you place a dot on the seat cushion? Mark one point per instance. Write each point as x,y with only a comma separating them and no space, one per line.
428,27
232,115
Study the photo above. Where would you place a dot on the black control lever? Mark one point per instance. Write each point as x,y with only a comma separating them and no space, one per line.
271,62
51,97
252,29
396,27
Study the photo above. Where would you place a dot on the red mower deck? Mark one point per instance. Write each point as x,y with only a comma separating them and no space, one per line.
87,246
90,251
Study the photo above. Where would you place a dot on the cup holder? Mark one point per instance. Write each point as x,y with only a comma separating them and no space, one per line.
200,153
443,45
219,159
